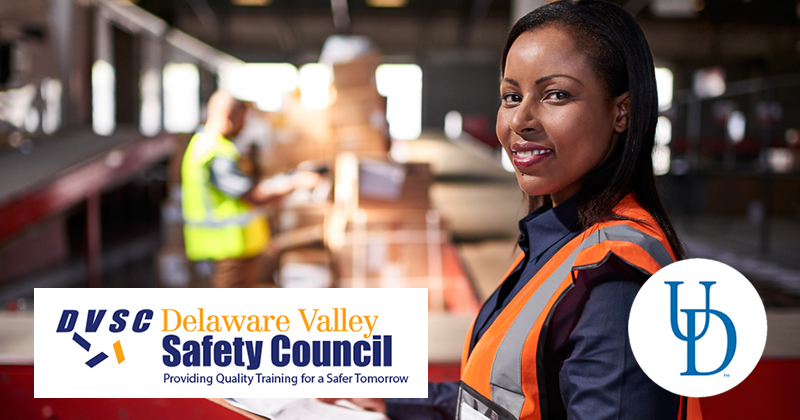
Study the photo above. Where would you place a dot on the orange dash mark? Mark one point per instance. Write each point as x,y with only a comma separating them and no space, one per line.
118,352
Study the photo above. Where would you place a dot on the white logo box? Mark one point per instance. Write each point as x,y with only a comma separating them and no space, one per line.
729,334
385,332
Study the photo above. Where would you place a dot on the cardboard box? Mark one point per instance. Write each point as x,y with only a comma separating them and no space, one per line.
381,180
364,140
353,94
301,237
370,111
359,106
390,250
312,124
414,193
359,72
286,156
303,216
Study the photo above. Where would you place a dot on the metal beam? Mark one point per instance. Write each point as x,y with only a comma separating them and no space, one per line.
341,15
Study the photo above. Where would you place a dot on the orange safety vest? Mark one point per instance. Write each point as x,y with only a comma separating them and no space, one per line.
499,378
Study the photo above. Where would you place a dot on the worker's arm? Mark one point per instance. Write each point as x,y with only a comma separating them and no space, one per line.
601,379
226,177
280,185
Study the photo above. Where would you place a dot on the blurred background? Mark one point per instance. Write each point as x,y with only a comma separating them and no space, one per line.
398,99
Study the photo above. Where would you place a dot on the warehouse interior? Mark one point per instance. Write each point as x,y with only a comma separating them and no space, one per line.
397,101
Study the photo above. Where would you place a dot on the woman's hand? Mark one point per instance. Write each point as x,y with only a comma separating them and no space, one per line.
370,404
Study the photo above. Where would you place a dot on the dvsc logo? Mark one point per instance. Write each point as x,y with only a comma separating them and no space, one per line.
697,328
94,319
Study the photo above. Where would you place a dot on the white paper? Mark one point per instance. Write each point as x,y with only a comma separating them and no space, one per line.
301,409
466,412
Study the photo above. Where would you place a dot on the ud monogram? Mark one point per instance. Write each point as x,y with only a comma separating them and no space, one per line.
723,339
691,337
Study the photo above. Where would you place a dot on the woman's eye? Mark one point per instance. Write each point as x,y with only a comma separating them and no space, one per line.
511,98
557,95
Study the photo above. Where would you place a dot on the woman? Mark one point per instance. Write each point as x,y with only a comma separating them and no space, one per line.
577,118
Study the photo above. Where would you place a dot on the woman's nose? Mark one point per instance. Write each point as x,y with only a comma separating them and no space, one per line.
524,118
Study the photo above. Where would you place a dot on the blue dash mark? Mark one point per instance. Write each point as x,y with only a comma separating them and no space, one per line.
97,359
81,341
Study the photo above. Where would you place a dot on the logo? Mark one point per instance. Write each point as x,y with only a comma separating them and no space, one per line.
211,343
697,328
691,337
69,319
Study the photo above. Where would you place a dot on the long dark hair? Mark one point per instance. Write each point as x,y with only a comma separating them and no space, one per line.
616,47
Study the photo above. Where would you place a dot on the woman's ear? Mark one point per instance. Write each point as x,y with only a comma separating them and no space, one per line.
622,108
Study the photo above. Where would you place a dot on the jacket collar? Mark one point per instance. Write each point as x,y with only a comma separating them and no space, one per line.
546,225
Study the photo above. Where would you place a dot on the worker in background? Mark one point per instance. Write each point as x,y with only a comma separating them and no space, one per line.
221,222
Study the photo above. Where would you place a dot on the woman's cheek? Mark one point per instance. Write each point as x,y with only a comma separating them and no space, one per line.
502,129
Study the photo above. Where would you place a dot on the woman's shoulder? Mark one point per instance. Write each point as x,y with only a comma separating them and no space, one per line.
636,239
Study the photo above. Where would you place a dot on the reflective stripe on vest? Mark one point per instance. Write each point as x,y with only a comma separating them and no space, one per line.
506,378
242,220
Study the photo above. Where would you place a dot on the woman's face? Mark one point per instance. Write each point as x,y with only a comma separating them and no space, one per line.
555,121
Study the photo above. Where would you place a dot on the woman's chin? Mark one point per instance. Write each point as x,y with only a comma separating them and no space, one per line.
533,186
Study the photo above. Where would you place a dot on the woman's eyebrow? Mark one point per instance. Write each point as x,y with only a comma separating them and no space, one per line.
552,76
511,82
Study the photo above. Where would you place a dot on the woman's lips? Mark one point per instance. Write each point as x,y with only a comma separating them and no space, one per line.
527,158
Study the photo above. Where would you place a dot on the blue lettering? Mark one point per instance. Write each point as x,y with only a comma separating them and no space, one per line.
174,357
192,355
222,353
323,357
376,350
360,359
301,353
280,342
94,319
138,325
120,322
387,350
341,353
67,321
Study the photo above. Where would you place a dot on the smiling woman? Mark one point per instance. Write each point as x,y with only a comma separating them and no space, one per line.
577,119
556,121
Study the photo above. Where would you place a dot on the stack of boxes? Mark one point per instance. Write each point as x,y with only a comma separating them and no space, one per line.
354,122
358,114
394,240
300,134
391,238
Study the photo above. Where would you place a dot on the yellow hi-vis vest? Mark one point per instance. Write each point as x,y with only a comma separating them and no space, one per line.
216,225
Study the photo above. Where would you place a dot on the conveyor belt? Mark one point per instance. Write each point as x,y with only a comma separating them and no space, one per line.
61,173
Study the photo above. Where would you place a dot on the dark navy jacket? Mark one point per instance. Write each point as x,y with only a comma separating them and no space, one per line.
589,377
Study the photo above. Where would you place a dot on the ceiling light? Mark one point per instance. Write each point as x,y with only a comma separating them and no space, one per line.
387,3
251,2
